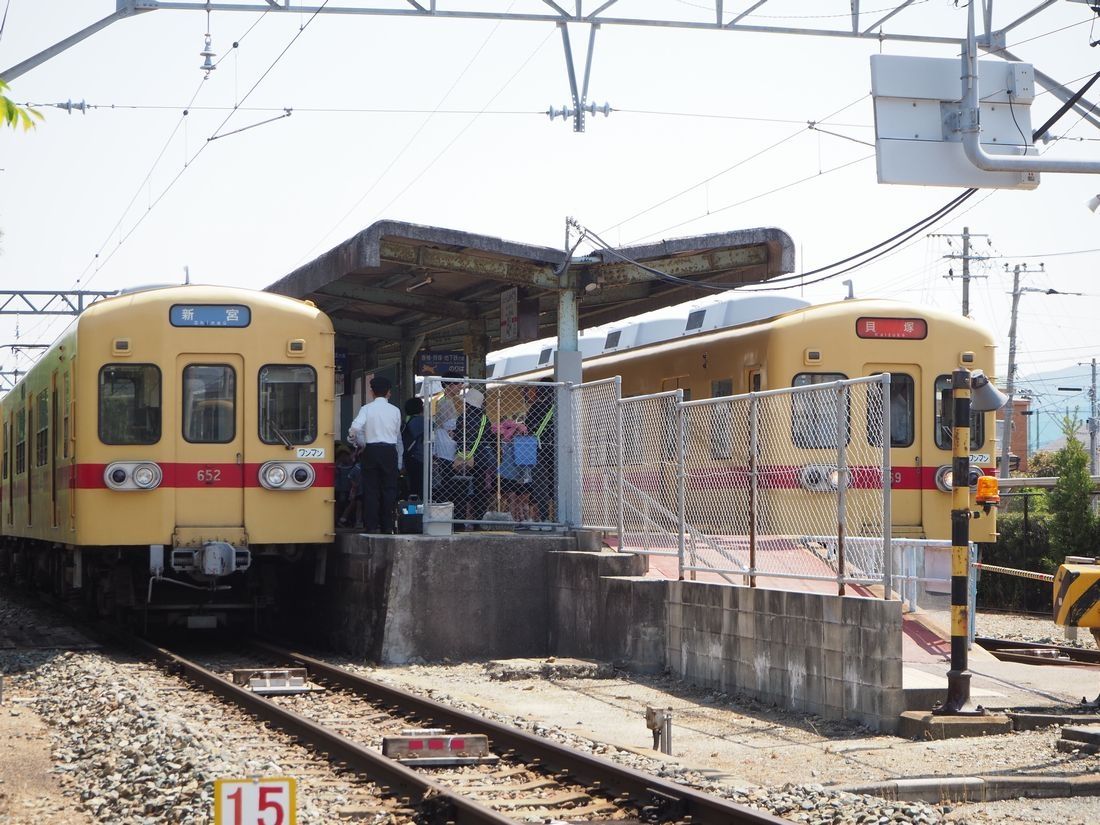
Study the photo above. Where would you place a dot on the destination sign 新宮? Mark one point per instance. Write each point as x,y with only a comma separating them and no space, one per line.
210,315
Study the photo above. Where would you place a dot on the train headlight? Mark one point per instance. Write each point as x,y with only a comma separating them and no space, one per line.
273,476
147,476
287,475
945,478
822,478
133,475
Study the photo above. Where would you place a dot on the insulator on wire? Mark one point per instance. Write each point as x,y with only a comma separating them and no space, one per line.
564,113
209,54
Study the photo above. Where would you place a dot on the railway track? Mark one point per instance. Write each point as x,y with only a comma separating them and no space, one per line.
1032,653
534,779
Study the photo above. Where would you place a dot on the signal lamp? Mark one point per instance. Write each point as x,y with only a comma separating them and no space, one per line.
989,490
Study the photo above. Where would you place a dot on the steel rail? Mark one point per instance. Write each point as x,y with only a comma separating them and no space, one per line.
680,800
1013,650
429,795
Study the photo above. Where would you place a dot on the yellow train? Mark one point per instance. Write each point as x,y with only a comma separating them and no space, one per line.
171,450
918,346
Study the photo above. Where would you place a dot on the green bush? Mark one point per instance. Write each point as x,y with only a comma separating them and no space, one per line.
1072,526
1019,550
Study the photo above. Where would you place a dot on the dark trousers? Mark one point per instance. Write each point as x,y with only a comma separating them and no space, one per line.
544,488
414,478
380,480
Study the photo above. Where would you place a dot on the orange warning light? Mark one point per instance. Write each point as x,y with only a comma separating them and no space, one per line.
989,490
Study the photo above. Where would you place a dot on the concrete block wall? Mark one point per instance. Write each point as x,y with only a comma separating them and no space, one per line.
839,657
396,599
602,608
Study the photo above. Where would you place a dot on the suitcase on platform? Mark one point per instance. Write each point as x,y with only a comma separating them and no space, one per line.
410,516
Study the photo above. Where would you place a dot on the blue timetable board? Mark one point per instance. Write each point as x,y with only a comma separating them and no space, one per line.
210,315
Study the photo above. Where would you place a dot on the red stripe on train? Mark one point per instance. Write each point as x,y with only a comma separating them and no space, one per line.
779,477
192,475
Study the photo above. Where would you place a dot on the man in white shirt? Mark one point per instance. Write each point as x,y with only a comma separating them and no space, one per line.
377,430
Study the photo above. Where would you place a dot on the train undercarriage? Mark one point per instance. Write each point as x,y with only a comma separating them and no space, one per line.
202,588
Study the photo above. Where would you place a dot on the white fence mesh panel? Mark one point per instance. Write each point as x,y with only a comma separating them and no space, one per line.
769,480
651,473
491,452
597,452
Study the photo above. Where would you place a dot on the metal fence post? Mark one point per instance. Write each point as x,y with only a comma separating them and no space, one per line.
619,421
681,454
842,429
887,484
429,432
754,449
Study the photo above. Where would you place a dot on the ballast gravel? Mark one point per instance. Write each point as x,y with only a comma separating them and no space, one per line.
133,747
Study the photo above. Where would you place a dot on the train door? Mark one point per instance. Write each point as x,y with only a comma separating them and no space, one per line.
906,500
55,432
210,441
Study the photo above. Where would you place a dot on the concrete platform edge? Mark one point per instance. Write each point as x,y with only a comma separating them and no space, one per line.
979,788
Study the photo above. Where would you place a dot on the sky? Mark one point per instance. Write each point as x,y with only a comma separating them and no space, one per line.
133,191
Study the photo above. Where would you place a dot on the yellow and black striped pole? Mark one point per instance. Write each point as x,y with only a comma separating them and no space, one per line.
958,678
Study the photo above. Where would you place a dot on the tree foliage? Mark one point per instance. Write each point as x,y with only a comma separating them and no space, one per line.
14,115
1041,464
1072,526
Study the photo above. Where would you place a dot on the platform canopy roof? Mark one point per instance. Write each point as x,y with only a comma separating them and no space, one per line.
395,282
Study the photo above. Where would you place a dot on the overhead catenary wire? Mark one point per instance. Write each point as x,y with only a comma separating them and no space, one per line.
904,236
408,143
739,163
212,137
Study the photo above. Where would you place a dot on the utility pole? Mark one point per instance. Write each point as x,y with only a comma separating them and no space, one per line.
1006,418
1017,291
966,258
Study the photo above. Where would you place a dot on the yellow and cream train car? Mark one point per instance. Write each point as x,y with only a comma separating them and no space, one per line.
172,449
918,346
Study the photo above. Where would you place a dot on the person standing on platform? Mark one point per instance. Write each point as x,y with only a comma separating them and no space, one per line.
474,456
540,423
412,440
377,430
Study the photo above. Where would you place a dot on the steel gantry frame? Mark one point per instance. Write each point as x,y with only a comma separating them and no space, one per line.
48,302
717,16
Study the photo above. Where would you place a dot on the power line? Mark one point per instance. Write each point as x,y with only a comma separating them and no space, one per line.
739,163
213,136
408,143
904,235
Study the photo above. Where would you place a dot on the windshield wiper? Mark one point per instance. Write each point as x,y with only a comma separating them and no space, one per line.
281,436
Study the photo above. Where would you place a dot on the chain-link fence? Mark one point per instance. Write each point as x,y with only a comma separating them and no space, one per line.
490,455
785,483
789,483
598,451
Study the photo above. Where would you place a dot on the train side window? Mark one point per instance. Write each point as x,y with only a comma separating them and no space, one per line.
814,415
7,439
945,418
20,441
209,403
288,404
129,404
902,412
42,434
721,388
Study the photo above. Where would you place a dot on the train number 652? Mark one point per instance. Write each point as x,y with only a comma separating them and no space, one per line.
209,475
